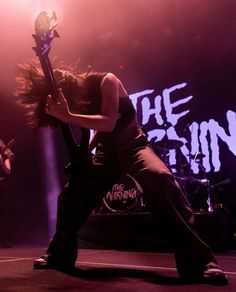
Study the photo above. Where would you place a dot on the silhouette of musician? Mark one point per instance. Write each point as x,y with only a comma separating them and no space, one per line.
6,159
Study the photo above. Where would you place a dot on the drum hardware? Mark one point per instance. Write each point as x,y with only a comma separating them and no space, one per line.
183,178
204,182
164,146
202,185
168,144
196,156
198,191
224,182
217,192
179,167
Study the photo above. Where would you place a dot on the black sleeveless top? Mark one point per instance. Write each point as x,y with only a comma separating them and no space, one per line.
127,132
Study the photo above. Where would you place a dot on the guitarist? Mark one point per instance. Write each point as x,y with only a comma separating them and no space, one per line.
6,156
100,102
6,159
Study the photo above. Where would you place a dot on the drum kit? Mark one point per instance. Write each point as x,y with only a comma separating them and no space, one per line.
197,190
126,195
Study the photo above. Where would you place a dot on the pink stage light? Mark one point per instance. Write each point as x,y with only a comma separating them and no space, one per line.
15,9
17,20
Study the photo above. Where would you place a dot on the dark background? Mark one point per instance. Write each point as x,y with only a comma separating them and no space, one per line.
148,44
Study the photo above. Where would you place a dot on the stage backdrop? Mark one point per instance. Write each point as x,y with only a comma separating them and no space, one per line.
177,60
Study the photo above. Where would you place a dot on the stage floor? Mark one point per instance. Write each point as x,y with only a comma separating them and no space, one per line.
103,270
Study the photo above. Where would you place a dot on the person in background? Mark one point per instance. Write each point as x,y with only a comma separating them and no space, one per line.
99,101
6,159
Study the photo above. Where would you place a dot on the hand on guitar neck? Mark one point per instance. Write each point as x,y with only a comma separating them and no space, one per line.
56,104
58,107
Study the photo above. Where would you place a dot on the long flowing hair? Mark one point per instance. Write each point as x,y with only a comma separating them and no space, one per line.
32,91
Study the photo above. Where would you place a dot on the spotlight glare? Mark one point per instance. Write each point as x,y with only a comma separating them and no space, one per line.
122,67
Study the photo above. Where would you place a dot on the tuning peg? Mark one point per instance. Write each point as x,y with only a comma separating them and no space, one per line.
55,34
54,17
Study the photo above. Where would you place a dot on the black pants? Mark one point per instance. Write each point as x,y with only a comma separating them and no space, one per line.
163,195
81,195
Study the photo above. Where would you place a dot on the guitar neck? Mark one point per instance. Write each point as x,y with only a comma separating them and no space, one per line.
45,33
69,141
48,73
75,152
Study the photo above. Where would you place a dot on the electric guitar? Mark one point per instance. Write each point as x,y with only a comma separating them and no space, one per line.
44,34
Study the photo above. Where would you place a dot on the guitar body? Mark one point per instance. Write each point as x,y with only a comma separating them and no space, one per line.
44,34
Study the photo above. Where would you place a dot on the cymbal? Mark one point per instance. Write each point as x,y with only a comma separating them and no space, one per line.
179,166
197,155
169,144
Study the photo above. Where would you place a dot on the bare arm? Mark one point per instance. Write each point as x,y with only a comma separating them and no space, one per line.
103,122
6,164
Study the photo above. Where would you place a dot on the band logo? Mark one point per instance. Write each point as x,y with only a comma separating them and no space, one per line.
205,136
118,192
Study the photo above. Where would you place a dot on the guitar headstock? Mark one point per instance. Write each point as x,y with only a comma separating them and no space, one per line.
44,33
